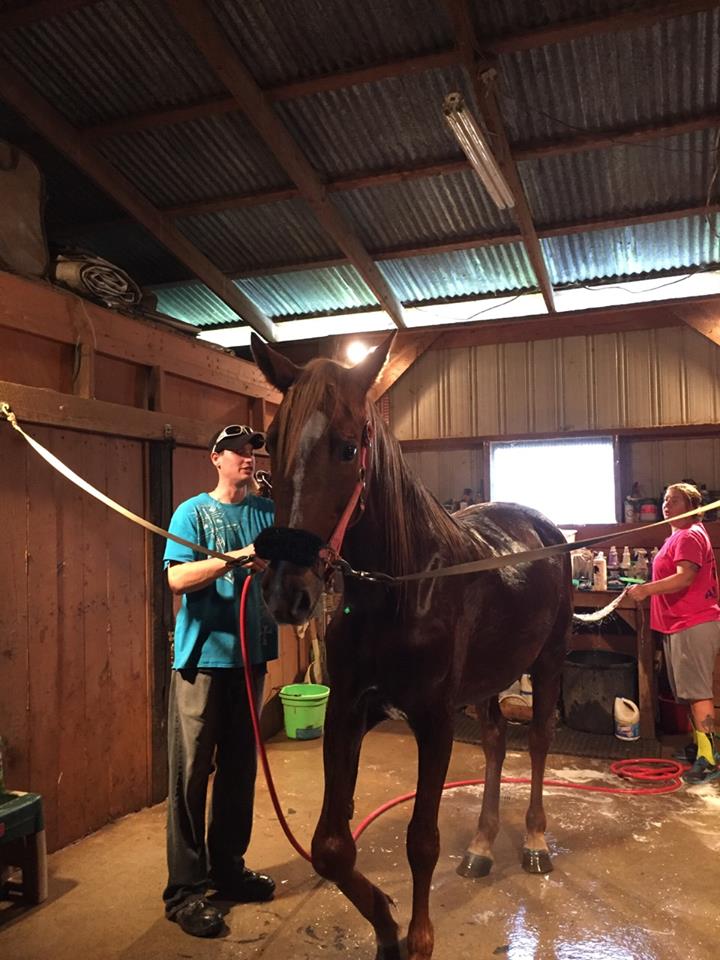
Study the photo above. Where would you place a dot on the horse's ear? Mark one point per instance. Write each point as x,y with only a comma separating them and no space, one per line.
278,370
367,371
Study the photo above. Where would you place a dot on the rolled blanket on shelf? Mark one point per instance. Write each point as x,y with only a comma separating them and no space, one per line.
96,278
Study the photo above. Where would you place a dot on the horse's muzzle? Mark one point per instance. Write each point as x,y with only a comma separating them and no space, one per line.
291,584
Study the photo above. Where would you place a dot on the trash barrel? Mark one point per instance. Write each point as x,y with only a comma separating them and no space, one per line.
304,709
591,681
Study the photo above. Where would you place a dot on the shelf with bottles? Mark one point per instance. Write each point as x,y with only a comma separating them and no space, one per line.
594,570
639,508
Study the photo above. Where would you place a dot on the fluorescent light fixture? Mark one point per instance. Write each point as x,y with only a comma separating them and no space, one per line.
472,140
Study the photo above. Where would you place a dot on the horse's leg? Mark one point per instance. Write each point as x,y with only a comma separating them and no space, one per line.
478,859
546,677
333,847
434,736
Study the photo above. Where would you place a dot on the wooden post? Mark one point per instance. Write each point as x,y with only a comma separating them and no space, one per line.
160,613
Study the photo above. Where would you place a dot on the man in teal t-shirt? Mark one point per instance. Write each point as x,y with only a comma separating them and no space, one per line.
209,718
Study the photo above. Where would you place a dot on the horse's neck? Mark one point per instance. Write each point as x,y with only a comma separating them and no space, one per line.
402,525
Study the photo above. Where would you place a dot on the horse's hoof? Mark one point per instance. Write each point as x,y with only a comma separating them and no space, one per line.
475,865
392,952
536,861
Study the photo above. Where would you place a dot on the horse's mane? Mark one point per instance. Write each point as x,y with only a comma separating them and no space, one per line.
317,388
411,514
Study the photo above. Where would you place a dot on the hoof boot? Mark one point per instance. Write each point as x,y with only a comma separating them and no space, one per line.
475,865
536,861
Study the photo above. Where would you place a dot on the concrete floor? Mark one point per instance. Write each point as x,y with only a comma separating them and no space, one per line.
634,879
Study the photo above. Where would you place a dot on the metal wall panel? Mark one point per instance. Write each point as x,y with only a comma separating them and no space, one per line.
447,473
655,463
640,378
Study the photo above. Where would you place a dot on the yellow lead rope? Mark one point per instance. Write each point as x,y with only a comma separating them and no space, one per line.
488,563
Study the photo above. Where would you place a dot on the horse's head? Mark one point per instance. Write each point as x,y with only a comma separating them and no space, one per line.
319,446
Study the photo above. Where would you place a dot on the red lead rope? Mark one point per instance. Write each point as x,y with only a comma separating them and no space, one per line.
665,773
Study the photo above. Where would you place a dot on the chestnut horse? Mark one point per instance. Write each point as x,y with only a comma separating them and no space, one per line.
422,647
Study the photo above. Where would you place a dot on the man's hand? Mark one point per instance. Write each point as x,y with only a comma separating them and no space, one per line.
245,557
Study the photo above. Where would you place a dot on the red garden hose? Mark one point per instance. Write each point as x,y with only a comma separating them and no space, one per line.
664,773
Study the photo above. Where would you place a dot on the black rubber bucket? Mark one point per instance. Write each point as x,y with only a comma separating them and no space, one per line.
591,681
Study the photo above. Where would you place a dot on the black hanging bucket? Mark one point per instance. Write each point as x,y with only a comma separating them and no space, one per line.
591,681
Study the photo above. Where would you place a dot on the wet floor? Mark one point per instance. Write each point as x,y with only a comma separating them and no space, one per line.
636,878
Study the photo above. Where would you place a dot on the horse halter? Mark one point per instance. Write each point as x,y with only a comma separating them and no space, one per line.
306,549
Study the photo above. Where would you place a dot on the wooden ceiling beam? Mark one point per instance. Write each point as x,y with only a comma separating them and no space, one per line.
63,136
703,317
408,347
484,89
199,23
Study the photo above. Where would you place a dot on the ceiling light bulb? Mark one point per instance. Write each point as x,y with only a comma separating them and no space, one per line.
357,351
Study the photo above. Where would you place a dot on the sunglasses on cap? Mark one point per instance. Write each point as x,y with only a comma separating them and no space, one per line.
238,432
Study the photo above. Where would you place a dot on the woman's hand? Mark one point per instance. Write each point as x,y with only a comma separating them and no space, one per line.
639,592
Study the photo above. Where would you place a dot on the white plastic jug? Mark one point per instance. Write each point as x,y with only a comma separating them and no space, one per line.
627,719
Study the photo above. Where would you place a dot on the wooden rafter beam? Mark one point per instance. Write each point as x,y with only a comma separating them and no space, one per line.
199,23
52,125
524,40
409,346
703,317
459,11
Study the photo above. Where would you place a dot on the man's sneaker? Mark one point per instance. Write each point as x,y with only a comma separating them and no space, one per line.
198,918
248,887
701,772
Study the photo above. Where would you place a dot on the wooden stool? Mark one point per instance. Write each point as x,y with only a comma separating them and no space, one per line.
22,842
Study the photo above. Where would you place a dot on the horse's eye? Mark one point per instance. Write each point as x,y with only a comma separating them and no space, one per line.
348,452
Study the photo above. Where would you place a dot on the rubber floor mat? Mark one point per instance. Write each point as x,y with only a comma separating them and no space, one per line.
574,743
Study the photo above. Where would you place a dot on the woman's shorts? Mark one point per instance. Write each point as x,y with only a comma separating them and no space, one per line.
690,659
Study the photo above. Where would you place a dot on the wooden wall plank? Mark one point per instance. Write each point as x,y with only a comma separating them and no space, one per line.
127,605
14,615
46,708
119,381
37,361
95,542
72,723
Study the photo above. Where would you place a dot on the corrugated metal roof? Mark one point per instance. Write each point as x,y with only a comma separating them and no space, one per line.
611,81
514,16
657,174
308,291
238,240
394,122
212,157
429,210
462,273
630,251
284,40
280,295
111,59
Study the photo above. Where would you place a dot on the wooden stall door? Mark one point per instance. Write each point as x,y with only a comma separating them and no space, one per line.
73,631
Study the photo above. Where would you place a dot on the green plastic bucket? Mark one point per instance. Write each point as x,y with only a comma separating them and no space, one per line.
304,709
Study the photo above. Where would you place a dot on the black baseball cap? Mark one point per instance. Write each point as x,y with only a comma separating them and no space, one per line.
235,436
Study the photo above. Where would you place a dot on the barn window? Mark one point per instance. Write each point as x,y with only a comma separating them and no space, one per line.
571,481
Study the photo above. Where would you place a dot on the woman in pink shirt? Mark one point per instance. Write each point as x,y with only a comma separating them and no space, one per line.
684,607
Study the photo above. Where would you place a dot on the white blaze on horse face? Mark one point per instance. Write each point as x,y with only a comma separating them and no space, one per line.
311,433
